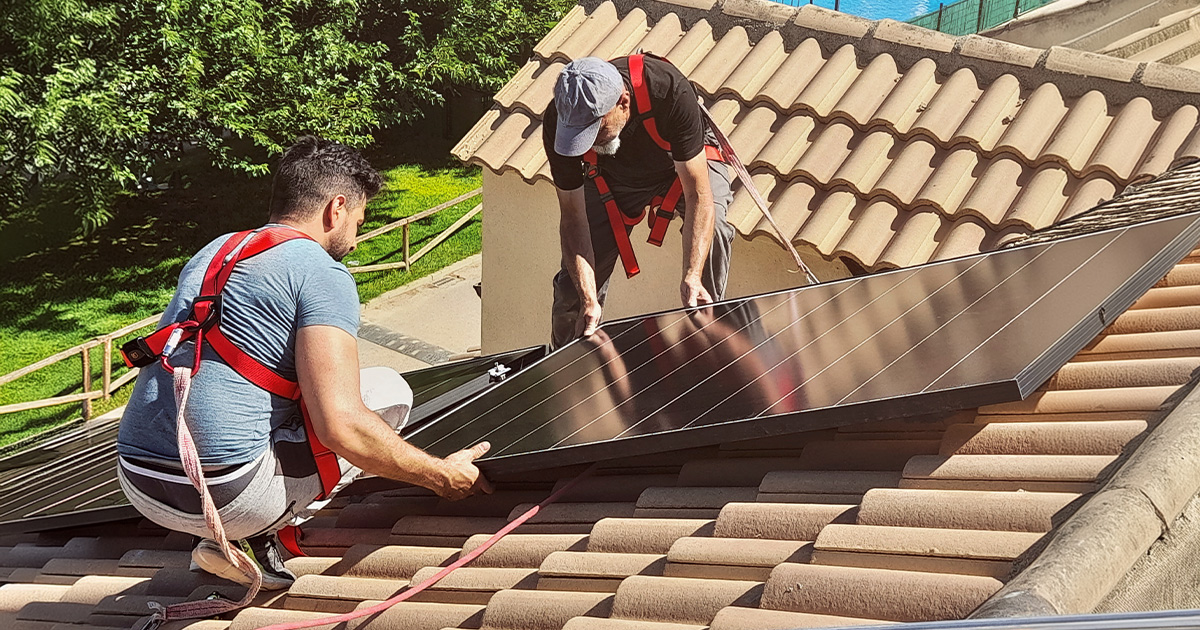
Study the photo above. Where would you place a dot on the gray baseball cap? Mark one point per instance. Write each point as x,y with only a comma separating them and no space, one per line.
585,91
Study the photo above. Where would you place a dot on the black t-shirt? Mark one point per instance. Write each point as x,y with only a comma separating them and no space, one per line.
640,162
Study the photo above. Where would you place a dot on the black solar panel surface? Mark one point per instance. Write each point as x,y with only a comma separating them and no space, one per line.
951,335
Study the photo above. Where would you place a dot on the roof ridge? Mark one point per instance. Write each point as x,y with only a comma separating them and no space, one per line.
1075,72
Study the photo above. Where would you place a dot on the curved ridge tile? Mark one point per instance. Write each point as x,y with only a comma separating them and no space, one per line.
757,68
995,190
589,34
664,36
868,90
1190,150
905,176
1034,122
624,38
786,146
1080,132
566,27
1087,195
949,106
797,198
693,47
752,133
910,97
790,79
830,83
828,222
1041,199
870,233
991,114
535,99
743,213
1167,142
718,64
913,242
870,157
950,183
959,238
826,153
505,139
1125,141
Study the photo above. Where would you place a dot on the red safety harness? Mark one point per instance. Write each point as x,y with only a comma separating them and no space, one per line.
203,324
662,206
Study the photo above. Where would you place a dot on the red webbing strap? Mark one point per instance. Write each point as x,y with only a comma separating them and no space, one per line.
219,271
617,220
641,99
231,253
660,217
437,577
328,469
218,262
249,367
664,210
289,537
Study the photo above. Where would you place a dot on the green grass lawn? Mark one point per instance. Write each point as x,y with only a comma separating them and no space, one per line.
64,293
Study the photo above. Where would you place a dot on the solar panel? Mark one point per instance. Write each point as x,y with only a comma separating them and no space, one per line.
950,335
71,480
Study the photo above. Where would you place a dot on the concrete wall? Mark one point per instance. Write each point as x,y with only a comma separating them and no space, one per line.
1085,24
521,255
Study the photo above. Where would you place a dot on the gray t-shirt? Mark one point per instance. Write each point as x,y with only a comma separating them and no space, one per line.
267,299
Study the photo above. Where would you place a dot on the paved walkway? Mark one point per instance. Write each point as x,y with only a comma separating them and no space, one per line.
431,321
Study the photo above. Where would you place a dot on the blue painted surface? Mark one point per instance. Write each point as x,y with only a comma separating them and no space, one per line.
902,10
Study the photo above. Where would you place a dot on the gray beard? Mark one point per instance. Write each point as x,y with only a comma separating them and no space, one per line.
609,148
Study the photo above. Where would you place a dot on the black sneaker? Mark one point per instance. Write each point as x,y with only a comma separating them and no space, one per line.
263,550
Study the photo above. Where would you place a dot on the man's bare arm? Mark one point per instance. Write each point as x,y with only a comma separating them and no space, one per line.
327,367
698,222
578,256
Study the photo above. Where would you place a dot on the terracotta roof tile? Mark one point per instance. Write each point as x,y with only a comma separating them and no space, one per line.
779,521
542,610
519,550
394,562
344,588
963,509
681,600
643,535
738,618
1041,438
906,119
1032,468
474,585
875,593
593,623
720,558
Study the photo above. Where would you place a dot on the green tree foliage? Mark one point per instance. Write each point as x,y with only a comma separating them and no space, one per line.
103,96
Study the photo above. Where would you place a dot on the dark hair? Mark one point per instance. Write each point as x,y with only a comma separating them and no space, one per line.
312,171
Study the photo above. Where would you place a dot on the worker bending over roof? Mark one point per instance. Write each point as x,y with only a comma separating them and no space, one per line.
627,139
275,314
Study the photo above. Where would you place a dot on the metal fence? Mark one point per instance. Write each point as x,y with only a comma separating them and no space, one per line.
973,16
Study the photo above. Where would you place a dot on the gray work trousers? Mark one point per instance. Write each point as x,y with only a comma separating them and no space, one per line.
564,311
261,496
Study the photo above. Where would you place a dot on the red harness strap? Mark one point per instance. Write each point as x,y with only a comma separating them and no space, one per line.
662,208
203,325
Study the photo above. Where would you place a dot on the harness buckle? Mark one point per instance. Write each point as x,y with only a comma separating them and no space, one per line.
205,312
137,353
590,171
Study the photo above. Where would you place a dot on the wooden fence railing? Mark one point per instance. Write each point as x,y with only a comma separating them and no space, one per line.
109,385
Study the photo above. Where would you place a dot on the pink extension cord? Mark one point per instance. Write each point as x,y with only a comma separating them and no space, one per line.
409,592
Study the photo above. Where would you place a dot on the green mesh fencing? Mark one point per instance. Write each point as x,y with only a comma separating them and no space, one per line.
972,16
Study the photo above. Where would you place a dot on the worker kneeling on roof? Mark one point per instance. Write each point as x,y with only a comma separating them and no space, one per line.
627,139
275,314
